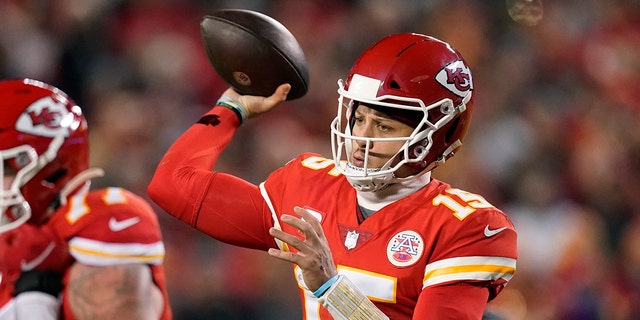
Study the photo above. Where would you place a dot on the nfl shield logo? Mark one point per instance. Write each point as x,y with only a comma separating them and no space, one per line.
351,240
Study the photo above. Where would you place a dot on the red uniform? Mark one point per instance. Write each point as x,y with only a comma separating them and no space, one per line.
434,238
108,227
44,155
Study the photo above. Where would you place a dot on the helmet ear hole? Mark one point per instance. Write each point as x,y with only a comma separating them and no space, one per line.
53,178
451,130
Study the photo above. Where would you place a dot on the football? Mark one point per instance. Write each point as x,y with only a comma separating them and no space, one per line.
254,53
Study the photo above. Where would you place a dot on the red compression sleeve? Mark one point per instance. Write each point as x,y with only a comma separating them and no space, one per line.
220,205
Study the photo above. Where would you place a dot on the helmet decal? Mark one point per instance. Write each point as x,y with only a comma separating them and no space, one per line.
364,87
456,77
47,118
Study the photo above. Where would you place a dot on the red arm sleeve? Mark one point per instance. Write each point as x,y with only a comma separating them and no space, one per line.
459,302
222,206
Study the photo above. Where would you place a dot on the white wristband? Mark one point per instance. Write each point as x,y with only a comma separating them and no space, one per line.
36,305
345,302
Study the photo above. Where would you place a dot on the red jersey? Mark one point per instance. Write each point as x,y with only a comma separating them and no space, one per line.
108,227
438,236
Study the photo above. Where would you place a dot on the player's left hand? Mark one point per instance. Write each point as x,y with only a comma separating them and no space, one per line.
256,105
30,247
313,255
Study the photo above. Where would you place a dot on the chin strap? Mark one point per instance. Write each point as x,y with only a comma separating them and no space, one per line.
83,177
448,153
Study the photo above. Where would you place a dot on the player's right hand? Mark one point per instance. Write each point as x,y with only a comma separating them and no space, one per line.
313,254
255,105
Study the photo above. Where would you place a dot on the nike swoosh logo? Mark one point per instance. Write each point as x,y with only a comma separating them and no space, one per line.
26,266
116,225
490,233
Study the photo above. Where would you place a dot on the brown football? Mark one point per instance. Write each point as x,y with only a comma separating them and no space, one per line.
254,53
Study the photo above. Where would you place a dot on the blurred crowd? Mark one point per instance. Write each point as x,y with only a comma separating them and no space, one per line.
555,139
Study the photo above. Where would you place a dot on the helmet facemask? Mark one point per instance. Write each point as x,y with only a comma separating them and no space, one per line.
19,165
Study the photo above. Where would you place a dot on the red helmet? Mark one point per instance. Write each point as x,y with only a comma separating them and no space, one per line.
418,80
44,144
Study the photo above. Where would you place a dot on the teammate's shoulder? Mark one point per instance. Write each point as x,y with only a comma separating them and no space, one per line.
106,214
105,203
115,195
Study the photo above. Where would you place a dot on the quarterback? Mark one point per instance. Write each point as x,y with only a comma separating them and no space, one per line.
371,234
68,252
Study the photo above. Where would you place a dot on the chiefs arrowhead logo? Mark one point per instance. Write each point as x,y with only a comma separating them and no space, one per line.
46,117
456,77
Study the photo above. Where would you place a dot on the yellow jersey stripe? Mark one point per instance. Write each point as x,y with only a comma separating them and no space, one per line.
469,268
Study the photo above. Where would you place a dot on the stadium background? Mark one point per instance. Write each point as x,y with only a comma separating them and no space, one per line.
554,141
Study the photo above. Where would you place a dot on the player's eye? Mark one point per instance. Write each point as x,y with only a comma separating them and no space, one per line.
22,160
13,165
9,169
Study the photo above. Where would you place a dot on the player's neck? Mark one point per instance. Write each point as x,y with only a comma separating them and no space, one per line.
374,201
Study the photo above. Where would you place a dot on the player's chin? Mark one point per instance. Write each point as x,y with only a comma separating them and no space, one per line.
373,164
357,162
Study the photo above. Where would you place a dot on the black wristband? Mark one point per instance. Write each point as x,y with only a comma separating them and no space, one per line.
39,280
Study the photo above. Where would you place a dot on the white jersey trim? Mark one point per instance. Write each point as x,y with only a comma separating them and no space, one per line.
276,223
99,253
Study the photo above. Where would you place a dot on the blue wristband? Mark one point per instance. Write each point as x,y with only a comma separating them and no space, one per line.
234,106
325,286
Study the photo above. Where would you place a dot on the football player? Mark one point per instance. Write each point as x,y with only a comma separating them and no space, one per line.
67,252
371,234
